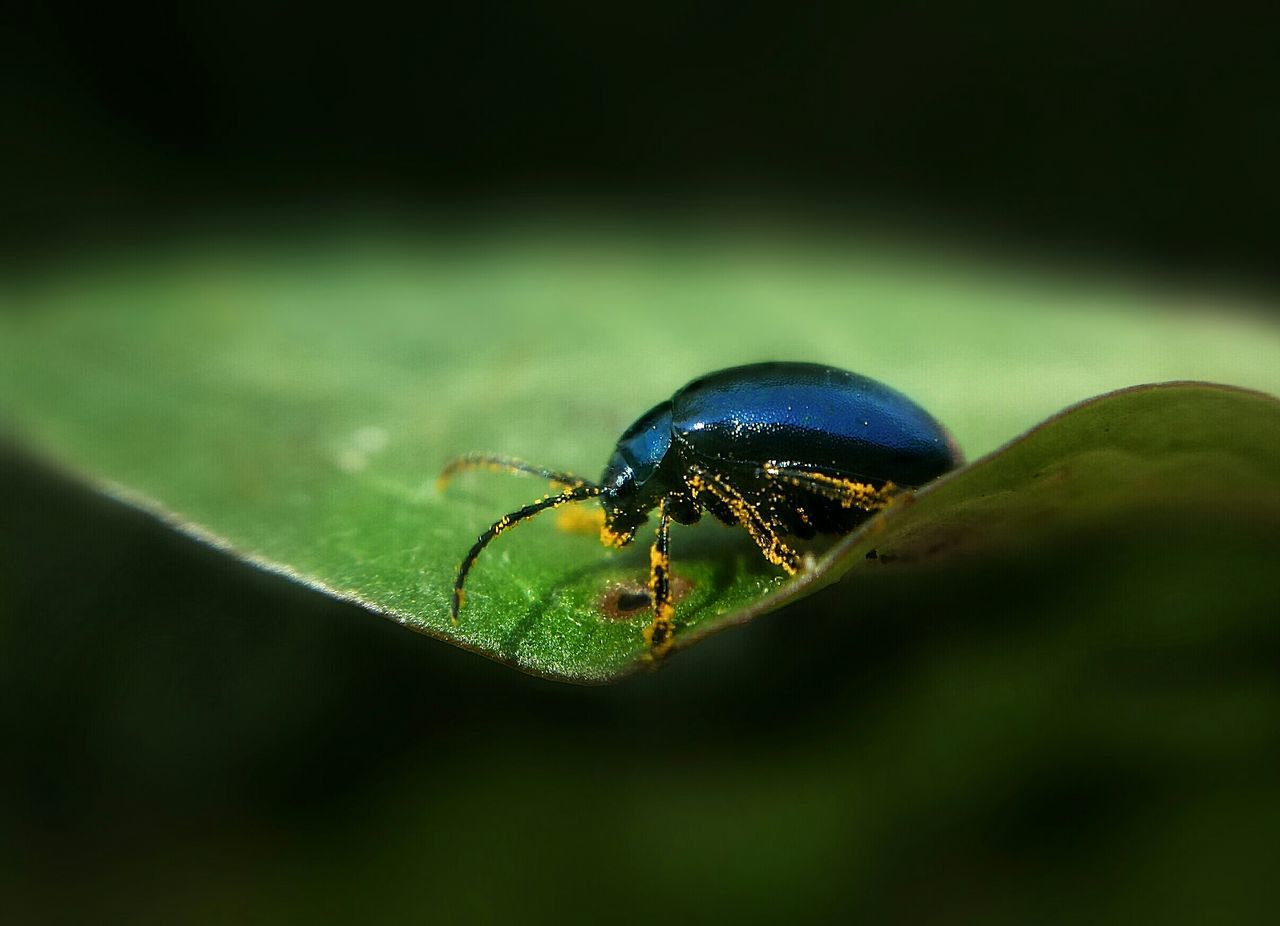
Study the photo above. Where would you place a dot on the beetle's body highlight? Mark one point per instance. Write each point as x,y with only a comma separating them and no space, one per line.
779,449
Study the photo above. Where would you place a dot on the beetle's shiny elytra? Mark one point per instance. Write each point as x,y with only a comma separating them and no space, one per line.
779,449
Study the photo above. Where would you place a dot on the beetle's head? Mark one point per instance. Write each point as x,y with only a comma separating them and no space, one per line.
631,484
622,500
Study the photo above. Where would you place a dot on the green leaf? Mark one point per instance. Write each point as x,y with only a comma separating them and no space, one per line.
294,407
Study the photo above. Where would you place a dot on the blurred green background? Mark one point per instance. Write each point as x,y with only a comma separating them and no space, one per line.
1083,728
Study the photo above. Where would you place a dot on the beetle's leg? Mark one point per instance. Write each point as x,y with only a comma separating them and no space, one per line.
766,538
501,464
847,492
659,634
505,523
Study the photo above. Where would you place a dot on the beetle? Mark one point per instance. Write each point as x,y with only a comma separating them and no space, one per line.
780,449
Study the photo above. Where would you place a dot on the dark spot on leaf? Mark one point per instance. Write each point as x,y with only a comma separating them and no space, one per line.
629,600
623,601
871,554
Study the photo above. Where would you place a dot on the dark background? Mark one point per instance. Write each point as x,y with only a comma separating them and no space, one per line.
1141,131
184,738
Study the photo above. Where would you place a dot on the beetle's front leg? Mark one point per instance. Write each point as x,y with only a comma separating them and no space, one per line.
661,633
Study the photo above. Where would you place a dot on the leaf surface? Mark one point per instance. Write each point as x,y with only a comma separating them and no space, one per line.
295,407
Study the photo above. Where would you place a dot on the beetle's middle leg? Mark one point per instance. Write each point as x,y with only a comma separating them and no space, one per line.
771,545
659,635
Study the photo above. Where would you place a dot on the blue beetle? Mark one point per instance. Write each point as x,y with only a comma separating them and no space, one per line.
779,449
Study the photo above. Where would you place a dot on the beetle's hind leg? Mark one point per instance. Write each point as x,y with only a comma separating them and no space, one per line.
659,635
848,492
703,482
503,464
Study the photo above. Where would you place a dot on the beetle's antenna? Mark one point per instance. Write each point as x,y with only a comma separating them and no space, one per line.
501,464
505,523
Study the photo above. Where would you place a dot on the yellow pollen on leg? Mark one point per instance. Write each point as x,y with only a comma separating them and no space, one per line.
848,492
611,538
660,636
771,546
